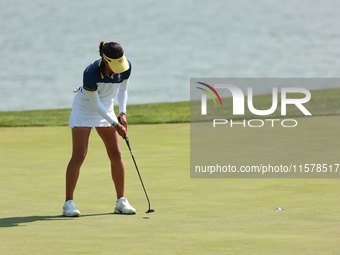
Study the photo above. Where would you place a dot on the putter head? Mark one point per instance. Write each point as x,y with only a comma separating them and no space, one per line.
150,211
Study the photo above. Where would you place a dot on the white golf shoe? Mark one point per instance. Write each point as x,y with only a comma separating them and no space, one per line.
123,207
70,209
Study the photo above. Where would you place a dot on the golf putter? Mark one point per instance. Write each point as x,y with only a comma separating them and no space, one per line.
140,177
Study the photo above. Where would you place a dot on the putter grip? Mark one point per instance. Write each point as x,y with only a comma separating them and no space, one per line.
126,138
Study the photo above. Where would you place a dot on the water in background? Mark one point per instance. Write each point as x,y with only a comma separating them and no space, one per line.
46,45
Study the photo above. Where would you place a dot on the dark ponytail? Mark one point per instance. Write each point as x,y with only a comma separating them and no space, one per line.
101,46
101,67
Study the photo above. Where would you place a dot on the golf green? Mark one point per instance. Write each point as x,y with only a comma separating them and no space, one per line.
192,216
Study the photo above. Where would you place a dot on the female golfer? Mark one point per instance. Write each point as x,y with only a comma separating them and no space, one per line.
93,108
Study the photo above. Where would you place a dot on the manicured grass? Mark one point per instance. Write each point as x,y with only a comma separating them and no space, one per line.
192,216
324,102
137,114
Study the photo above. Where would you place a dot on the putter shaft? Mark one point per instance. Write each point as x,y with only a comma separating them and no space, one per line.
140,177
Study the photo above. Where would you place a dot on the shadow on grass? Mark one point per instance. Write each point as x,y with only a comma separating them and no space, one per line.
17,221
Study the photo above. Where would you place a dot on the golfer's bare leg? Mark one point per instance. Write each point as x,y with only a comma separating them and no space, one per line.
80,140
111,140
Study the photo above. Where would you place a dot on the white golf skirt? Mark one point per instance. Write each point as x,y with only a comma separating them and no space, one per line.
83,113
